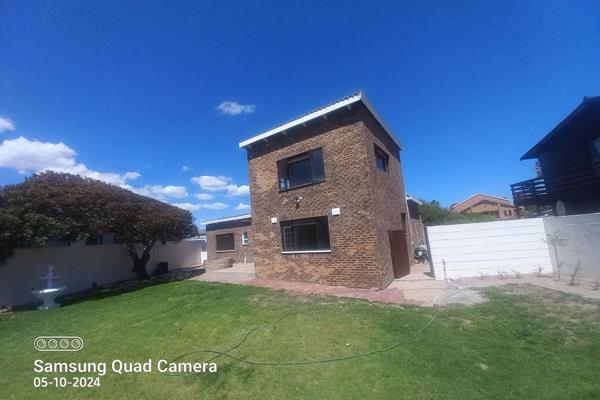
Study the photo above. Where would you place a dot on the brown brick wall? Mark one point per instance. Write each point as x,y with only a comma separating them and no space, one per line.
358,236
238,253
387,188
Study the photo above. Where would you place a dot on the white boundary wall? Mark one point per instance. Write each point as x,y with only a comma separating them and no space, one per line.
582,235
79,266
470,249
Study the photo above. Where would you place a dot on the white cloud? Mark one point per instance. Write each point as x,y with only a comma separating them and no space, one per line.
185,168
196,207
204,196
235,108
235,190
188,206
242,206
221,183
215,206
212,183
160,192
26,155
6,125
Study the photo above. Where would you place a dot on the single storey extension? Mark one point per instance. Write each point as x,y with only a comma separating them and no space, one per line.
230,237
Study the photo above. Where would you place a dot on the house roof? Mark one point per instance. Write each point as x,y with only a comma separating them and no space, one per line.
226,219
477,198
347,101
559,130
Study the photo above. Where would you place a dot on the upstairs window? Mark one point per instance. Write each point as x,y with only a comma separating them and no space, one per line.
225,242
381,159
308,234
302,169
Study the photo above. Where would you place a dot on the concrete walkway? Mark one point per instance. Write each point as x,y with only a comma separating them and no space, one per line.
239,273
547,281
420,288
417,288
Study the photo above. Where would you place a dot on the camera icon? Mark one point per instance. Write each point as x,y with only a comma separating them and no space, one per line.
58,343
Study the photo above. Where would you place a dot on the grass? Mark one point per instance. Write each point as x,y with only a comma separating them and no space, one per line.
523,343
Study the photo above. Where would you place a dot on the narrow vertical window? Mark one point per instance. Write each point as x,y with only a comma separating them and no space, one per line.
245,239
381,159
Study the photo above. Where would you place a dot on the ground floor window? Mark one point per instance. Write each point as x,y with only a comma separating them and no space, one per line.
306,234
225,242
245,239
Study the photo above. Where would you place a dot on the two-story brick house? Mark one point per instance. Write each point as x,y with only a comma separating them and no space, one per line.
328,200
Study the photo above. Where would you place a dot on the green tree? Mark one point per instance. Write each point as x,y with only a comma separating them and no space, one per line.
61,206
144,222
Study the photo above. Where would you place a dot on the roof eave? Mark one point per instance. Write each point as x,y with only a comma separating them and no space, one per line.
535,150
227,219
322,112
415,200
371,109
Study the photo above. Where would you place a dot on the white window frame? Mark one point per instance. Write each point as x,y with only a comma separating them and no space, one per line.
245,239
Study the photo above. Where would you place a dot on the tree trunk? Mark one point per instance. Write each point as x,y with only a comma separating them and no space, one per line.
139,263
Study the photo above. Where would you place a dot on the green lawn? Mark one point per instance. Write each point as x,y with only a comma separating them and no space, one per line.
524,343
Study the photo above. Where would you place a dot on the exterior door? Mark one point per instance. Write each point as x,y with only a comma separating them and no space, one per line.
399,250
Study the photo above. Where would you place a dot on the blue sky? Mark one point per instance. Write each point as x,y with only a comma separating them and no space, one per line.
103,88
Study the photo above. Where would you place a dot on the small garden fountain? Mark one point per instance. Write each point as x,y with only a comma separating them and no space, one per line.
50,293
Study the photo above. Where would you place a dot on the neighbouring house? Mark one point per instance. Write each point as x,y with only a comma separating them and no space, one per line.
230,237
569,165
499,207
328,201
417,228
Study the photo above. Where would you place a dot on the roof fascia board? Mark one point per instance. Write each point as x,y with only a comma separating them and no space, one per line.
534,151
301,120
371,109
413,199
226,219
322,112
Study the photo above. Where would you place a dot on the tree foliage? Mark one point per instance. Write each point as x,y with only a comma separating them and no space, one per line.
433,214
59,206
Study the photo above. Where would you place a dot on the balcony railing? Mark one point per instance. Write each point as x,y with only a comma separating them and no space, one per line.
530,192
